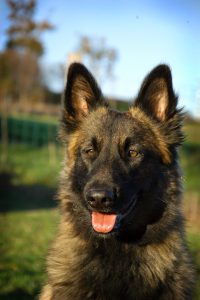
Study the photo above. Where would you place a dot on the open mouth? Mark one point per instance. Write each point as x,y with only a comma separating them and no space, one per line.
106,223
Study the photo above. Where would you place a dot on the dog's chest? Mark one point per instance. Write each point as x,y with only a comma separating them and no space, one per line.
120,276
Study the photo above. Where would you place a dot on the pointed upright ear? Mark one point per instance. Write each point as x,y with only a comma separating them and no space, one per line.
156,96
81,95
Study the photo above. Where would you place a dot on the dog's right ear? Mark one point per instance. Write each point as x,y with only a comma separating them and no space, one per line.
81,95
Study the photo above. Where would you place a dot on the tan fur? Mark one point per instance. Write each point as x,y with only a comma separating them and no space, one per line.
81,93
161,142
156,261
46,293
71,149
160,97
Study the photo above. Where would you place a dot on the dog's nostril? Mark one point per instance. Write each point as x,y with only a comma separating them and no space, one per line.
91,199
104,200
100,198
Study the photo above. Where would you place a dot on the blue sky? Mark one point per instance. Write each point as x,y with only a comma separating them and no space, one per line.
145,33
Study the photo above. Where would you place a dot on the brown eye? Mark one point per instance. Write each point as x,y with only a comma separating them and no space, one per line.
89,151
133,153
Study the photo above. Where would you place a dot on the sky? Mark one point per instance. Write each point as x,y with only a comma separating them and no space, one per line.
145,33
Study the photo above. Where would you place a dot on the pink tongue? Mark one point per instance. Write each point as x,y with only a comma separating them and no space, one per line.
103,223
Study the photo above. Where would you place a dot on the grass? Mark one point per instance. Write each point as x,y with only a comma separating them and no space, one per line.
29,165
23,249
190,157
194,245
28,220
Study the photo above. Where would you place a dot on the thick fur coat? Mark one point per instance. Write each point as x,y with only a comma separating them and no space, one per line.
121,234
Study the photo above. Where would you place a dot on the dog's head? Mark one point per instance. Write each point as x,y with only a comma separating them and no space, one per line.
120,172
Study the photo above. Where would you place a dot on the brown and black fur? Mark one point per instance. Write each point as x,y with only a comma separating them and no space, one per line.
130,158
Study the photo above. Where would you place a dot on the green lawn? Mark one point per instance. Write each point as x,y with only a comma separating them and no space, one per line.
30,166
25,238
190,157
29,219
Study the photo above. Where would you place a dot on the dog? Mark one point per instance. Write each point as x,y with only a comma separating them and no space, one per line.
121,234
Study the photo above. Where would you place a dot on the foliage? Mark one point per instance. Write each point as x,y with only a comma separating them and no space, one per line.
20,73
23,31
20,76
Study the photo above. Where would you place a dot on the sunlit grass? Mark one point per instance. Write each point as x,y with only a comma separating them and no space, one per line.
25,240
190,156
31,165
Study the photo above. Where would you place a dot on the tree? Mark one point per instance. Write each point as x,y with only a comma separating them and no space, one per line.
99,56
23,32
20,75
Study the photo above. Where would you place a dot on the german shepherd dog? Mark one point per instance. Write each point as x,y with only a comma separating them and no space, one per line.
121,234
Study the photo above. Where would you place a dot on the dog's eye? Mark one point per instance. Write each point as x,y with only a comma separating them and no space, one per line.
89,151
133,153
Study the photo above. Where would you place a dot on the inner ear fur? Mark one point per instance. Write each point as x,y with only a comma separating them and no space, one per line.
156,96
82,93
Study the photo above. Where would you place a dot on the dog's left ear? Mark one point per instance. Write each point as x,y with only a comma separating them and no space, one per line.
81,95
156,96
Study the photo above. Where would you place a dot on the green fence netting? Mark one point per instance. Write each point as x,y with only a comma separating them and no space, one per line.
28,132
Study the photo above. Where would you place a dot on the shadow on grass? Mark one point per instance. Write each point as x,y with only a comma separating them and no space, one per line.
191,148
24,197
18,294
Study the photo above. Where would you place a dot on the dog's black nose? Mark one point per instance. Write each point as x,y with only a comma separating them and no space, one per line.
100,198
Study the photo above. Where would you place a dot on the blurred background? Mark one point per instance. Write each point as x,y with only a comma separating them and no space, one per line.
119,41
